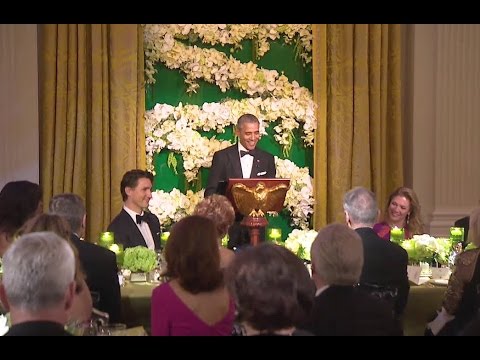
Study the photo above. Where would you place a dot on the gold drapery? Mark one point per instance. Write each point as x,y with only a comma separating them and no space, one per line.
357,86
92,102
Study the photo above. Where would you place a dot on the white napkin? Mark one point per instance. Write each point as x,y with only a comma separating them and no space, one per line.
443,317
3,325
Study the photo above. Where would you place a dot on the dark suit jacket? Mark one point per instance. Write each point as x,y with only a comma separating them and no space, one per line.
348,311
100,266
37,328
127,233
226,164
385,263
465,223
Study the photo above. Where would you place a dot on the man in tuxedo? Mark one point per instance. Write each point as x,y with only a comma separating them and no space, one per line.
340,308
385,263
242,160
38,284
135,226
99,264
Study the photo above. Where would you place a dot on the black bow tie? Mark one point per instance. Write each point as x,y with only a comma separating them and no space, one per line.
140,218
243,153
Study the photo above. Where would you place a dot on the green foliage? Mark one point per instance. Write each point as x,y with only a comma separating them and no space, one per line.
139,258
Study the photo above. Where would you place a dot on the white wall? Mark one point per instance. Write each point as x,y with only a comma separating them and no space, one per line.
443,99
19,151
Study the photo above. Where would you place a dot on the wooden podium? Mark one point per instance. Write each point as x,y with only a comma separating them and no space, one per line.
254,198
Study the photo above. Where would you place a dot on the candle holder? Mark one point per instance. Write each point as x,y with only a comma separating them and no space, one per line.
164,237
106,239
397,235
119,253
274,234
457,235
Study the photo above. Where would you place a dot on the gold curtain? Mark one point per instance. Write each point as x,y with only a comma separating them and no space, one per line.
92,102
357,87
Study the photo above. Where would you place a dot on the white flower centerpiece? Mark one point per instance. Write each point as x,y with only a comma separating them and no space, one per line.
300,242
425,254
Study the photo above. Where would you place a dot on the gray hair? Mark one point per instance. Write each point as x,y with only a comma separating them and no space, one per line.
70,207
337,255
37,271
247,118
361,206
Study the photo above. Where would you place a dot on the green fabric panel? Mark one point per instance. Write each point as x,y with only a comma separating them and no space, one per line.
171,89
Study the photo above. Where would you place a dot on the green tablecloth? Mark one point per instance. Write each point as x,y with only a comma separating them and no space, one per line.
136,304
423,301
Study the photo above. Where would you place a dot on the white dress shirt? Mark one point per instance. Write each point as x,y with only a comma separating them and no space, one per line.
143,227
246,161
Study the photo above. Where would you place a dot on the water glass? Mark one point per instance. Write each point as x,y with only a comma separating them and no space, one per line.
114,329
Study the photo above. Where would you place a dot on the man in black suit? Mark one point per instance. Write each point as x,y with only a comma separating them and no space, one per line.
242,160
385,263
340,308
38,285
134,225
100,264
465,224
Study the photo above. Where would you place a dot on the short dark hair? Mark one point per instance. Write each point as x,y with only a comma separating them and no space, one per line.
130,179
193,256
247,118
272,287
18,202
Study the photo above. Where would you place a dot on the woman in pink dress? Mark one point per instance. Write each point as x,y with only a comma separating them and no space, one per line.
403,211
194,301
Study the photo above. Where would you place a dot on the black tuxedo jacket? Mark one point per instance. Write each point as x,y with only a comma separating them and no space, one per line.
37,328
348,311
465,223
127,232
385,263
100,266
226,164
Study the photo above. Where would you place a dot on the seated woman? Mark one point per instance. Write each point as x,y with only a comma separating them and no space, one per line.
194,301
219,209
403,211
81,310
273,290
462,298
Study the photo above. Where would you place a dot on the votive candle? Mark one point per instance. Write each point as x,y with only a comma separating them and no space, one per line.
274,234
397,234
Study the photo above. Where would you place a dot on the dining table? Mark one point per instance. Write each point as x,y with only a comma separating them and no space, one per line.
423,302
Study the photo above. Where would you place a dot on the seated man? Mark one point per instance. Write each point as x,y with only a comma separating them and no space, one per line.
385,263
100,264
134,226
341,308
38,284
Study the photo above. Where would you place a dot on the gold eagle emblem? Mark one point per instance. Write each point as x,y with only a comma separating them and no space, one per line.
259,200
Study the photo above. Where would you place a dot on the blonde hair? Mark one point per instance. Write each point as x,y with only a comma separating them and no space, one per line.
414,223
59,226
337,255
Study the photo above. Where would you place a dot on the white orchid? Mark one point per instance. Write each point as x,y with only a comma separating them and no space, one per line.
173,206
159,39
300,242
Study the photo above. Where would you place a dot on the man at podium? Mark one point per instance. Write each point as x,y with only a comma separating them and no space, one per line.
242,160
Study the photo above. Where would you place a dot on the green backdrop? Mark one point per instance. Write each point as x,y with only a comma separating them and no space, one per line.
170,88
